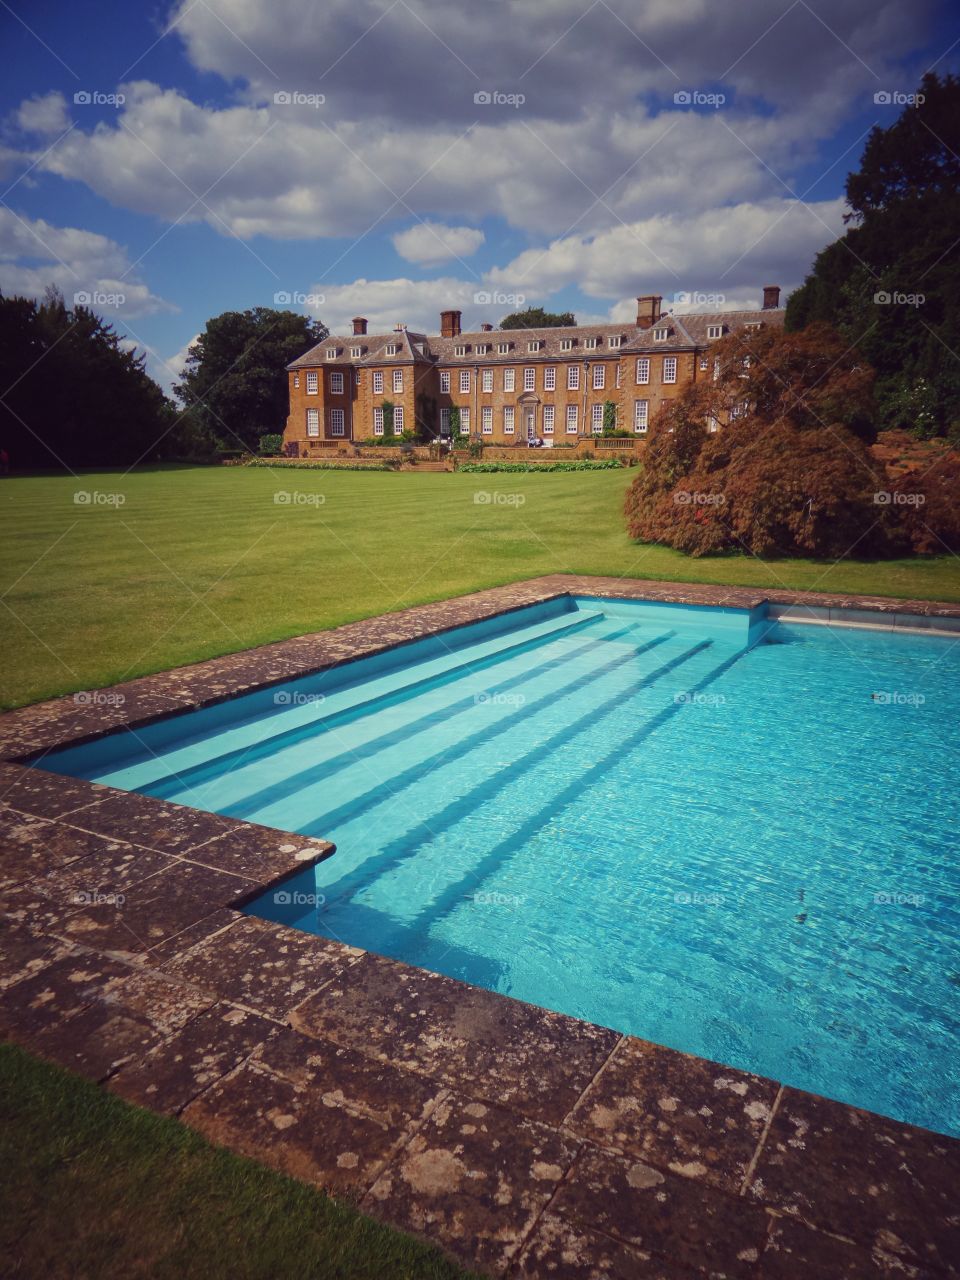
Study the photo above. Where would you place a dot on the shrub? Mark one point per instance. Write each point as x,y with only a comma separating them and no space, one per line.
271,444
927,505
586,464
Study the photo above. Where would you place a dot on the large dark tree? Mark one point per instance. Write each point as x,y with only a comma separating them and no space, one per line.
72,396
234,382
537,318
891,284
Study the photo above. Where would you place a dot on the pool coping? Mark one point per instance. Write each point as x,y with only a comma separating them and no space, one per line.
523,1142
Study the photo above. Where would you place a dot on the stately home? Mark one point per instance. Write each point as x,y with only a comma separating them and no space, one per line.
505,386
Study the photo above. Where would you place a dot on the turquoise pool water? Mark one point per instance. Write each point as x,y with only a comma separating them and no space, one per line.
730,836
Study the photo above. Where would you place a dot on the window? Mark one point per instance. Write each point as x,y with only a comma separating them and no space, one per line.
704,363
508,420
573,377
464,381
336,384
618,375
599,377
445,383
486,383
313,384
535,345
503,348
616,340
378,421
548,412
590,344
641,412
509,379
754,326
356,353
392,349
460,350
444,422
550,379
483,348
313,422
465,420
378,382
714,330
296,379
669,368
332,353
713,423
716,370
397,419
336,422
571,419
486,420
643,370
660,335
566,344
529,379
398,379
596,418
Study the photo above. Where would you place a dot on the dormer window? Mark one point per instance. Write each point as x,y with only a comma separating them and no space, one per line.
566,344
615,341
660,335
590,344
392,349
754,326
356,353
483,348
332,353
535,345
714,330
460,350
503,348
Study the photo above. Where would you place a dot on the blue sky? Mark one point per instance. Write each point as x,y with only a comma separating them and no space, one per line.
393,157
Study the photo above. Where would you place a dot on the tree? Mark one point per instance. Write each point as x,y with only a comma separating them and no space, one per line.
235,380
76,397
537,318
891,284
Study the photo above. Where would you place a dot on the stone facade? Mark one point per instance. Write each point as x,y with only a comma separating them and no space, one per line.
509,386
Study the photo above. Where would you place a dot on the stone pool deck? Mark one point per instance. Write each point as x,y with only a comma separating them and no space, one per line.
525,1143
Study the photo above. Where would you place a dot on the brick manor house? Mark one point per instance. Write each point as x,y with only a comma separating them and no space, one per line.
511,385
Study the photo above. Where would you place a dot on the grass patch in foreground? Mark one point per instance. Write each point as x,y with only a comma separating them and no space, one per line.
196,562
90,1186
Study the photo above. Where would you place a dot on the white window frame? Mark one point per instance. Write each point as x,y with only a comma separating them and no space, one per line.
393,349
445,384
714,331
378,420
529,379
296,380
356,353
397,381
573,417
550,378
509,379
590,344
338,422
486,420
599,377
509,420
332,353
336,383
464,419
464,382
669,369
661,335
486,380
313,383
397,419
615,341
566,344
643,370
444,422
573,377
704,363
596,417
534,345
549,414
378,382
503,348
641,416
313,421
460,350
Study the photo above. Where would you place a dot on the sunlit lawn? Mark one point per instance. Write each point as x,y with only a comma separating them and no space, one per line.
204,561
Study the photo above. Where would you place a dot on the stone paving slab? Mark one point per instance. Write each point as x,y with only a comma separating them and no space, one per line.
523,1142
528,1058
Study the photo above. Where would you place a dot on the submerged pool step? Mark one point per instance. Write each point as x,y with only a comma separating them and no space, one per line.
271,731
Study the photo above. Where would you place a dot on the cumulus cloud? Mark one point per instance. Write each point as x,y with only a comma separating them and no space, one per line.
428,242
85,266
45,115
386,303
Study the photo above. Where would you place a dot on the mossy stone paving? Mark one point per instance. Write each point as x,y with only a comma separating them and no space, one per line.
524,1142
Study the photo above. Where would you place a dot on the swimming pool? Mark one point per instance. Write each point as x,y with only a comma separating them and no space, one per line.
732,836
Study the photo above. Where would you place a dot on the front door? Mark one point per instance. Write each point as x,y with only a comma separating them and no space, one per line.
531,424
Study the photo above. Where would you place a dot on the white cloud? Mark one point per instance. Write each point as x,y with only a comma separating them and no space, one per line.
46,115
35,254
386,303
428,243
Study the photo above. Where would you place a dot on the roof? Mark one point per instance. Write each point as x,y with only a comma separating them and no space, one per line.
684,333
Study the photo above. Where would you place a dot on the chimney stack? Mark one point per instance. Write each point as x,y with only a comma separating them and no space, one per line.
359,325
486,328
449,324
771,297
648,310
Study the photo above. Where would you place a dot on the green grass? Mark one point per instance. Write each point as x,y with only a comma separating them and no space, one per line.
202,561
90,1186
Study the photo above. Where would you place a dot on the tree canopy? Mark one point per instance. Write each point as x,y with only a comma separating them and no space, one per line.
234,383
76,397
891,284
537,318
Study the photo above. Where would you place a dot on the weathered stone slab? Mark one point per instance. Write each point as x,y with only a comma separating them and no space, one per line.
795,1250
47,795
557,1250
156,824
261,853
63,987
25,952
32,847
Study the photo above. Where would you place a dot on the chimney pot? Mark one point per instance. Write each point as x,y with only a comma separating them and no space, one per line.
359,325
771,297
648,310
486,328
449,324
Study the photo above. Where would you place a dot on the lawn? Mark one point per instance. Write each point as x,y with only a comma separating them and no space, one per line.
90,1186
196,562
